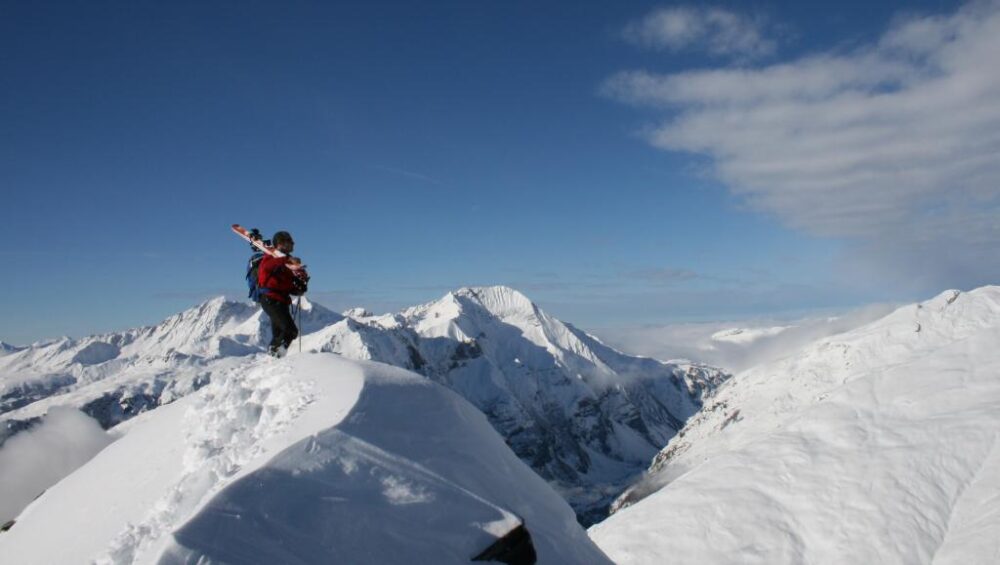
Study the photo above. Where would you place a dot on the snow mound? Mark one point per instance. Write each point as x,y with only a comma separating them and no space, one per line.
310,459
879,445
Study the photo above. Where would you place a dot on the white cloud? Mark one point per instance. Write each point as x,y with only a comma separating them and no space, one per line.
695,341
32,461
894,146
713,30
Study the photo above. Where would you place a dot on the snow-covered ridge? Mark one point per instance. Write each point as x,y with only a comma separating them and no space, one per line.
365,462
911,331
124,373
876,445
584,416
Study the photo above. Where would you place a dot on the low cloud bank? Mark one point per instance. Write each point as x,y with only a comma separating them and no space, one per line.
32,461
695,341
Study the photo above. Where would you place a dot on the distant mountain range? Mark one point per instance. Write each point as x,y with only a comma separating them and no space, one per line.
584,416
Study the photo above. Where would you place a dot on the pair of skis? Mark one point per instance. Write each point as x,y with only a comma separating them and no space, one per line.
294,263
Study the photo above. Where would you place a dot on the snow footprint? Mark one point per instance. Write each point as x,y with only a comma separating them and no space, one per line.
225,426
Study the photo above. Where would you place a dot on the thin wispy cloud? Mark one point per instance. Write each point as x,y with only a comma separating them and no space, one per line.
678,276
714,31
408,174
664,276
893,146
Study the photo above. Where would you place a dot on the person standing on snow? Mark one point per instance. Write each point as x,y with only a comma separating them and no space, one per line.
278,283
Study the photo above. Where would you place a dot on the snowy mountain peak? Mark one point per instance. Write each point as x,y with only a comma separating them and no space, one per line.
191,331
357,313
460,310
308,305
213,313
8,348
500,301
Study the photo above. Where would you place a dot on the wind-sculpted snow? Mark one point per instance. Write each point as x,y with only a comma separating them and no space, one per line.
311,459
226,427
876,446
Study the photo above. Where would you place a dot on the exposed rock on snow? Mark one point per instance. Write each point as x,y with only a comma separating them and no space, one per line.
357,313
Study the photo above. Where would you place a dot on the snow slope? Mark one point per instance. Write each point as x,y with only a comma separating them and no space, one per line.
310,459
875,446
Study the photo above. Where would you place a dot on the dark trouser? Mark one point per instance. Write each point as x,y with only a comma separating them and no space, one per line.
283,330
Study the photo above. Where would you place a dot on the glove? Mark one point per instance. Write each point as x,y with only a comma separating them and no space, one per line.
300,284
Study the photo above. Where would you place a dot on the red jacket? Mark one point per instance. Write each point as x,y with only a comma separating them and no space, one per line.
278,279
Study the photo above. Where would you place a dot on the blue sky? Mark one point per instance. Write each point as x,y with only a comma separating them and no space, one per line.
621,163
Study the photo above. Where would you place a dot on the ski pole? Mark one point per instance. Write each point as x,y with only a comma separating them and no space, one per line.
298,319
